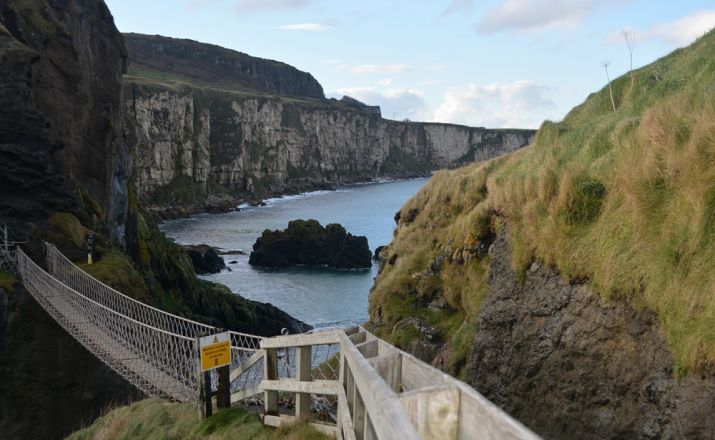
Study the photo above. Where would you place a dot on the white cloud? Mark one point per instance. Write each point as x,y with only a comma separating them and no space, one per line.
535,15
685,30
398,103
378,68
250,6
315,27
519,104
680,32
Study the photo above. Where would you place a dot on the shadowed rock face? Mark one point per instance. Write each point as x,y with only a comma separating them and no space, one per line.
569,365
61,63
306,242
49,384
62,150
205,259
60,77
208,63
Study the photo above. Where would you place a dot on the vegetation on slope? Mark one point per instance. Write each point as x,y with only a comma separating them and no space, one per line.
155,419
624,200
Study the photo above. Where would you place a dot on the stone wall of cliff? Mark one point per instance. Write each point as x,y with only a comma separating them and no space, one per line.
61,64
60,77
570,365
200,142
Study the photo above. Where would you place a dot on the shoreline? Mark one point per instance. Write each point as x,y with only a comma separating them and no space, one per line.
214,204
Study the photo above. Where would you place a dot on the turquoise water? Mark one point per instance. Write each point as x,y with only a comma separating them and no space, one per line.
321,297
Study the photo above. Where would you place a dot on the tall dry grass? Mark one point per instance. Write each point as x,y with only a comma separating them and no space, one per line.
155,419
625,200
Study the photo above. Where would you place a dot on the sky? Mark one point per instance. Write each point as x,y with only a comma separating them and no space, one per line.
489,63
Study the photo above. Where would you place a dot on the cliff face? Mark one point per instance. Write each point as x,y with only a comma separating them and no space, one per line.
202,142
60,77
214,64
61,64
64,167
569,365
210,126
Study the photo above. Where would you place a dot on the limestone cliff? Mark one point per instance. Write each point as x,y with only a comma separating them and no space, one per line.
200,142
194,139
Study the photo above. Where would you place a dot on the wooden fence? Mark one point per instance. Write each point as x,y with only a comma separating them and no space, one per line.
382,392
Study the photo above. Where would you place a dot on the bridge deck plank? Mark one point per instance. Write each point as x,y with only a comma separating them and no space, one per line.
120,354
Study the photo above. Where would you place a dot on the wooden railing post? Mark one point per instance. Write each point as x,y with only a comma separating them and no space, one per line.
270,372
208,405
358,415
303,374
223,392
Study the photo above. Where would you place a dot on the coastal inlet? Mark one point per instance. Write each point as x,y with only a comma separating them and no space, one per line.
318,296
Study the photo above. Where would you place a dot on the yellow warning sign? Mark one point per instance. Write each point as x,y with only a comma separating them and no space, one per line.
215,351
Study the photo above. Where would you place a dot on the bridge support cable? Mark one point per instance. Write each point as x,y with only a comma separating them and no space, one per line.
154,350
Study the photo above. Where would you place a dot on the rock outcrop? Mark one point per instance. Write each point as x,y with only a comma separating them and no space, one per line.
205,259
196,140
569,365
307,243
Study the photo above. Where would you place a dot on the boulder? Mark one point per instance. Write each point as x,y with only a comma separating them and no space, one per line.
205,259
306,242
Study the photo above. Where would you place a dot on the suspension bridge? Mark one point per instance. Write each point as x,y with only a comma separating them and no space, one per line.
369,388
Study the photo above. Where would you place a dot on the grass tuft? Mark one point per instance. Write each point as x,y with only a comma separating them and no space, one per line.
155,419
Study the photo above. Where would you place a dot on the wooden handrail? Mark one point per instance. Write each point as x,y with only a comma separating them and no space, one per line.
318,338
382,393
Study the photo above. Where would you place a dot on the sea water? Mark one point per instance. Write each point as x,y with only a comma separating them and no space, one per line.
320,297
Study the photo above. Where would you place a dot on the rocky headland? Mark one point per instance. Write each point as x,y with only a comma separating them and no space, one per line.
308,243
208,135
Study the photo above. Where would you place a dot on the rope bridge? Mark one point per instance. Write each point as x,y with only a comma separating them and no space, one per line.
351,384
154,350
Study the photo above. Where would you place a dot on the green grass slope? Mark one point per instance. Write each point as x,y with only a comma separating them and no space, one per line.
624,200
155,419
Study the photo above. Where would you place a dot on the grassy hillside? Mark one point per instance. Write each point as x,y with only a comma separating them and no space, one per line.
624,200
155,419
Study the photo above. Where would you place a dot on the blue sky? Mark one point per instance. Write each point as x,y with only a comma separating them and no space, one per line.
493,63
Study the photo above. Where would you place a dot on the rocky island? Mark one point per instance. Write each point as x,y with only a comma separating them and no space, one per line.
308,243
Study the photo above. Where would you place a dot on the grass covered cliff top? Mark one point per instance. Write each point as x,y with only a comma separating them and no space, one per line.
624,200
155,419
